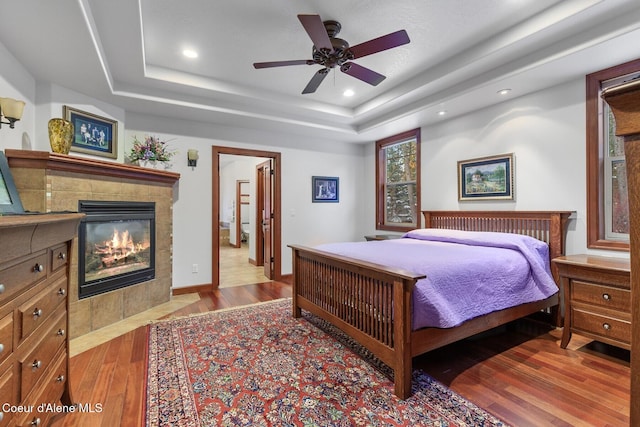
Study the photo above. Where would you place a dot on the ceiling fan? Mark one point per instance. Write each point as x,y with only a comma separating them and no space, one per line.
330,52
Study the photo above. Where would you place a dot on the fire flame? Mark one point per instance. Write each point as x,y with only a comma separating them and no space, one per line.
118,248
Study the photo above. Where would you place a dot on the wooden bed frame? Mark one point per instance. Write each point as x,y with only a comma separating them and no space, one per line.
372,303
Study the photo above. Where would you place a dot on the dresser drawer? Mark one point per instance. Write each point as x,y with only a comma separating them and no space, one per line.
37,310
602,296
48,394
602,325
7,393
17,278
35,363
6,336
59,257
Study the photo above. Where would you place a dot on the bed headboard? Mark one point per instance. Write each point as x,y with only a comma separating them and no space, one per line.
548,226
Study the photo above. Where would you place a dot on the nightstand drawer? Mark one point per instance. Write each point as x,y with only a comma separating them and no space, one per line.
603,296
604,326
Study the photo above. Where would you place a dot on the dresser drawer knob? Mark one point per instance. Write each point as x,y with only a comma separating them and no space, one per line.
61,332
60,378
62,292
38,268
606,297
37,312
62,256
1,347
606,326
36,422
2,288
36,364
1,416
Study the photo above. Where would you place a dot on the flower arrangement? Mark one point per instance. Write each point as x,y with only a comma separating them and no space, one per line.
151,149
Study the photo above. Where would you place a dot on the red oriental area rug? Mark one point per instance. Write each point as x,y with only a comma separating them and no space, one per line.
259,366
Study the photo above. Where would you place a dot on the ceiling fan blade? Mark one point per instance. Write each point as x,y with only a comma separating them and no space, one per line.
379,44
282,63
314,26
362,73
316,80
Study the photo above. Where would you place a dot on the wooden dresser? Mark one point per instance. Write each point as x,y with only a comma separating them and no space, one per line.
597,298
34,278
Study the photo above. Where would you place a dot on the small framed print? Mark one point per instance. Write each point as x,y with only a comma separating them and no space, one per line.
486,178
92,134
325,189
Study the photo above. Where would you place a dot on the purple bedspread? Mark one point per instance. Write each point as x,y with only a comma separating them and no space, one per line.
468,273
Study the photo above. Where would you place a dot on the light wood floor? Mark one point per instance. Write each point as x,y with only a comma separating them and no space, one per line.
235,268
520,373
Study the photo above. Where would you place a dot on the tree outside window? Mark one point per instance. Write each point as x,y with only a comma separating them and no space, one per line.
398,182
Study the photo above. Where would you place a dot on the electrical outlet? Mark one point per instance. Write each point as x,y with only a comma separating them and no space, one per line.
194,268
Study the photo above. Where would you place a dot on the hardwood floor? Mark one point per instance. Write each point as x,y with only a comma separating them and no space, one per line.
519,373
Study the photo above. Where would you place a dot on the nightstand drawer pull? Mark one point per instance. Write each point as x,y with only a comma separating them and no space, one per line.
37,312
38,268
36,364
36,422
60,378
606,297
606,326
1,348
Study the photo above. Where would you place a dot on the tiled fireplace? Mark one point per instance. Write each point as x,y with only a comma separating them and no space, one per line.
55,182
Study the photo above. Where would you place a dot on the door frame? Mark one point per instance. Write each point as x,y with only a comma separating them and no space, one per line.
216,151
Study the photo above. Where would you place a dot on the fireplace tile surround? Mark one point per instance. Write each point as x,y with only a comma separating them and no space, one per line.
50,182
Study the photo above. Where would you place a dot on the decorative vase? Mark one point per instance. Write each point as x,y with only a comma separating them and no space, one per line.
151,164
60,135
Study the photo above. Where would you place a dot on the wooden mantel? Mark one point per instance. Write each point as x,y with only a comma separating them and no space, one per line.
62,162
624,101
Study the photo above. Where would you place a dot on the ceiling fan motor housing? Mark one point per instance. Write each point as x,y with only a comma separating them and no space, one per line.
340,52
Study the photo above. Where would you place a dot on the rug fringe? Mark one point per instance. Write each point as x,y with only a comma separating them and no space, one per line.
220,310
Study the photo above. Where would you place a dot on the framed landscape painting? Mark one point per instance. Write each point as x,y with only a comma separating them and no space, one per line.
486,178
92,134
325,189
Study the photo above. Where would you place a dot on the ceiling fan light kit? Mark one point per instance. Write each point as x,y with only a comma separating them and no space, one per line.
331,52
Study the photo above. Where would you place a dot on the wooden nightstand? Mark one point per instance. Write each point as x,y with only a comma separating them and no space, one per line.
597,298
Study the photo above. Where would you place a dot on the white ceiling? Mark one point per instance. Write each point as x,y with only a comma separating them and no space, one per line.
461,53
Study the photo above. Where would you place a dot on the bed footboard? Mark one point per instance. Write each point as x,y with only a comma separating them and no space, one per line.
370,302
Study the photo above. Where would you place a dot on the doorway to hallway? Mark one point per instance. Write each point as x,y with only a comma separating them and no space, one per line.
266,228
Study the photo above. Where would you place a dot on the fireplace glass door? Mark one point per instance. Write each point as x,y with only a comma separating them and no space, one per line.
116,244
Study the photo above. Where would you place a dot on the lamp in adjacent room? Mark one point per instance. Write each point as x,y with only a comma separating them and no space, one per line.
11,110
192,157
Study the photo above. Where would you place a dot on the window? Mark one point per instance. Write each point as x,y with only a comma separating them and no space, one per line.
607,206
398,182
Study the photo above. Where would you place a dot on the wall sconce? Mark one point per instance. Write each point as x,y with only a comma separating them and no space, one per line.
192,157
10,109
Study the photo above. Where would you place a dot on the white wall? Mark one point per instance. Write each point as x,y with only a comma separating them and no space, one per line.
546,133
544,130
303,222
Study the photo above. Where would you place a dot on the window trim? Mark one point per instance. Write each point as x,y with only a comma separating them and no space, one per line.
595,157
381,178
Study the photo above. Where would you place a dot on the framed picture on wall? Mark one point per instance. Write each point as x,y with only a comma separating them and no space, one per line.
325,189
92,134
486,178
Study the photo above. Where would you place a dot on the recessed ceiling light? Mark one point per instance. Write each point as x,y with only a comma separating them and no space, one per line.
190,53
348,92
442,112
504,91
